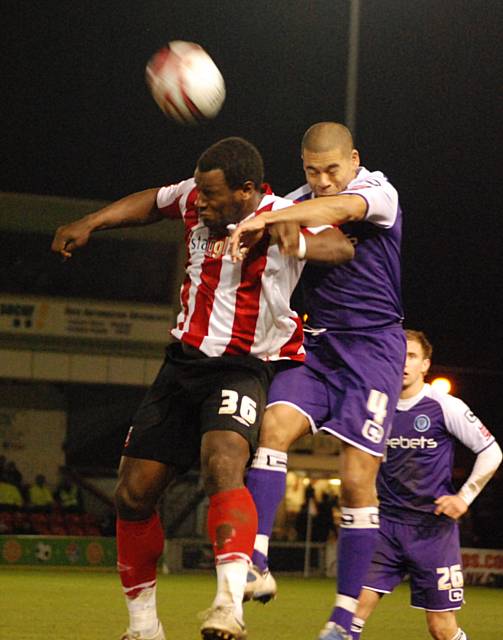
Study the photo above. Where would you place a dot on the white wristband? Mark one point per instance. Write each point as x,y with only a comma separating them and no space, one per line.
301,253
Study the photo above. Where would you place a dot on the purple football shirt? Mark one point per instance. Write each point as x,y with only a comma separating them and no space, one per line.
365,292
420,453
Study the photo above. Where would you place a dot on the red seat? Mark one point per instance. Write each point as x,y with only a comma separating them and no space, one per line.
56,517
75,530
6,516
6,525
88,519
38,518
73,519
92,530
41,529
21,522
58,530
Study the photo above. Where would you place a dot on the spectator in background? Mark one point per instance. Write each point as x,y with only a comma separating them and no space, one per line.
303,515
13,475
323,522
3,462
10,495
39,495
68,495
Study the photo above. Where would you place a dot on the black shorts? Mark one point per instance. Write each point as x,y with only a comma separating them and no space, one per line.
193,395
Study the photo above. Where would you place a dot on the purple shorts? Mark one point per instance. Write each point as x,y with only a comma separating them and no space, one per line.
430,555
348,386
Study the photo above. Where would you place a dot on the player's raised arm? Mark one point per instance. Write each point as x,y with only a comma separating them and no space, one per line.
136,209
330,210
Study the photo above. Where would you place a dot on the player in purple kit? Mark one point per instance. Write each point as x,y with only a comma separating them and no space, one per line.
350,382
418,505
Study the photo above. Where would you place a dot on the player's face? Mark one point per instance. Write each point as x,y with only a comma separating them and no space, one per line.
218,205
416,365
330,172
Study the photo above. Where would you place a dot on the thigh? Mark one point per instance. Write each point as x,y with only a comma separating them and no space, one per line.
302,389
434,558
236,402
165,427
363,391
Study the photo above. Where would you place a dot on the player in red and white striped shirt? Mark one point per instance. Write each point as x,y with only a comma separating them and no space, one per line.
234,329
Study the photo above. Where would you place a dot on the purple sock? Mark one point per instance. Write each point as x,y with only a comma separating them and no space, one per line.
266,481
259,560
267,489
355,548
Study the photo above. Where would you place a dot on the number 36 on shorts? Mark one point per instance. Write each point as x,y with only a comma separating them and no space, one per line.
244,408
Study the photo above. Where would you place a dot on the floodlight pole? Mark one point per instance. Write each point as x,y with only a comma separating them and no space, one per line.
352,67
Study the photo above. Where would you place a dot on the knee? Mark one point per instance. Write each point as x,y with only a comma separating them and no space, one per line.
222,472
358,489
358,474
132,503
281,427
442,627
223,461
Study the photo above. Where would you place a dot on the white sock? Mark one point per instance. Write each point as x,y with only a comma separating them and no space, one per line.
231,582
357,625
262,544
143,612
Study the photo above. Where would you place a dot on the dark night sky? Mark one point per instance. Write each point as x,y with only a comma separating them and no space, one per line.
78,121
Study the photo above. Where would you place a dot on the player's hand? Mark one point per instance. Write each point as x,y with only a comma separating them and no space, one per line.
245,236
286,235
70,237
452,506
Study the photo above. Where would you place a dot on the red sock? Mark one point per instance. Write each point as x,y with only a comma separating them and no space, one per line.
232,525
139,547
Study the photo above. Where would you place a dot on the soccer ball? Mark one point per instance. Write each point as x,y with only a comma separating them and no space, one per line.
185,82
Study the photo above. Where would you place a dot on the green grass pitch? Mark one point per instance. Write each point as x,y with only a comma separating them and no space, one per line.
78,605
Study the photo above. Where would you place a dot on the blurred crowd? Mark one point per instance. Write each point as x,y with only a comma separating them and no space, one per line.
36,508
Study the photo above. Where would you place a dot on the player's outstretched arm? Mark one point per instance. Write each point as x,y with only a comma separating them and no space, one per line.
329,210
136,209
329,246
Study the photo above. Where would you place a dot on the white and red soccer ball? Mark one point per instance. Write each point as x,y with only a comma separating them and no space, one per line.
185,82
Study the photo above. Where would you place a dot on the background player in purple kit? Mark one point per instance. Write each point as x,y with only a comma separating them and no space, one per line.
418,505
351,379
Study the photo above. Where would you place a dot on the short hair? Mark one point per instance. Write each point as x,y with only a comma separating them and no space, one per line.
420,337
239,160
326,136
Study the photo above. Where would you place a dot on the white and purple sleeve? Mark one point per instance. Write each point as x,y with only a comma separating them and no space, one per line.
468,429
381,198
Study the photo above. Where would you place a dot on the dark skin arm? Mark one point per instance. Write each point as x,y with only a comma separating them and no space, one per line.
136,209
332,210
328,247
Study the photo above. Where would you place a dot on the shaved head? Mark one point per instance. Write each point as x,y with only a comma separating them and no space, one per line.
326,136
